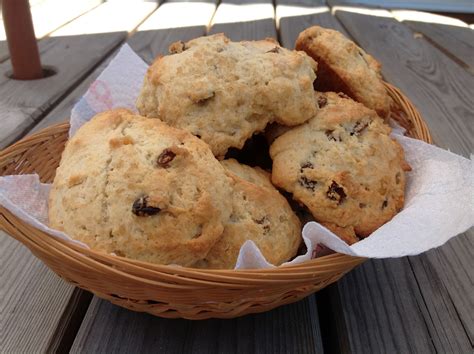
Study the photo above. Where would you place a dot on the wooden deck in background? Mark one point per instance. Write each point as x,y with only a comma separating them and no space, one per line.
412,304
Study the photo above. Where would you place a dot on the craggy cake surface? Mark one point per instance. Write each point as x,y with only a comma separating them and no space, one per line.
343,66
140,189
343,166
226,91
261,214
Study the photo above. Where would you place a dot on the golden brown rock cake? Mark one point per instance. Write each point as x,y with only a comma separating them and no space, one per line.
345,67
224,91
343,166
261,214
140,189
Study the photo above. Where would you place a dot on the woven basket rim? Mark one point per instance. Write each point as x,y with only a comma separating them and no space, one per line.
304,268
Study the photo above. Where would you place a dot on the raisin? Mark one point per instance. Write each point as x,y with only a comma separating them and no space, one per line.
265,222
307,183
322,101
140,207
336,192
359,127
306,165
331,136
274,50
384,204
165,158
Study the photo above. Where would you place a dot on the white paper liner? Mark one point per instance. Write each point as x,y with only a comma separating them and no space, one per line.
439,196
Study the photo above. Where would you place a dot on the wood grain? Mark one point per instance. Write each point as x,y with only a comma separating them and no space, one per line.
291,26
440,280
22,103
446,279
32,300
150,44
289,329
391,306
73,56
109,17
179,14
457,6
248,20
456,42
382,309
62,111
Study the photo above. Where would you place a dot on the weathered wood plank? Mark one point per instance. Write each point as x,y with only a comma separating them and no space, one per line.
380,307
26,293
291,24
436,312
245,20
109,17
392,306
457,42
72,55
439,88
52,14
172,22
451,35
446,279
48,16
24,102
179,14
457,6
62,111
288,329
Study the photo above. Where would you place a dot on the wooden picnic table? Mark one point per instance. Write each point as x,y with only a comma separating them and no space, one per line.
416,304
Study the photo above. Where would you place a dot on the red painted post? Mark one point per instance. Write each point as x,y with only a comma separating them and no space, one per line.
21,39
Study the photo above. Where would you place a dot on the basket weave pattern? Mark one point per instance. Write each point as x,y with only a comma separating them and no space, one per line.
169,291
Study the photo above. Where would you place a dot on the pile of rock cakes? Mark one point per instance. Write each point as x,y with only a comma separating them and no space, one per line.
235,141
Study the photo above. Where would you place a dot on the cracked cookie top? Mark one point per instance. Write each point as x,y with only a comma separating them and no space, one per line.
140,189
224,91
343,166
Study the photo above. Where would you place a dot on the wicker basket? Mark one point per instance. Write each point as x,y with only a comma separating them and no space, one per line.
169,291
